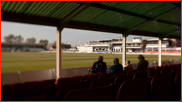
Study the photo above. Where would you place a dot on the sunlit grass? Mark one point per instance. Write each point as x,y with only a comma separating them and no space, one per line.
26,61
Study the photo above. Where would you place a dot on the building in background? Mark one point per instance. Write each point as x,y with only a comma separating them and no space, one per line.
136,45
17,47
63,46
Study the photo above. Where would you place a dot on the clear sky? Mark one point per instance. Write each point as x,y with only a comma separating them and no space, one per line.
69,36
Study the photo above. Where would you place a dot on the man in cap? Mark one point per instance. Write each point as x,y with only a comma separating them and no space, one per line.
127,65
117,67
143,64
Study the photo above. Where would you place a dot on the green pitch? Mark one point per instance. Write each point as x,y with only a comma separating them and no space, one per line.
26,61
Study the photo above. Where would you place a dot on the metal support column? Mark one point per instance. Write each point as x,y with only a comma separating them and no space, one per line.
58,54
159,52
123,49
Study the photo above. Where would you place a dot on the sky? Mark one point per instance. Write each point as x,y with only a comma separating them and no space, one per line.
68,36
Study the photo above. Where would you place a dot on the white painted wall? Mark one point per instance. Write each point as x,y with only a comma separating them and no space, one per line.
86,49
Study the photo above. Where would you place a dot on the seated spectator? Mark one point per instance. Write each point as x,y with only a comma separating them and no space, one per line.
143,64
117,67
127,65
99,66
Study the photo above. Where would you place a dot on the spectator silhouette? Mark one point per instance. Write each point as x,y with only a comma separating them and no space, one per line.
99,66
142,64
117,67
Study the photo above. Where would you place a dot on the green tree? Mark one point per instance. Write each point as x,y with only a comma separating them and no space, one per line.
13,39
18,39
9,39
44,42
31,40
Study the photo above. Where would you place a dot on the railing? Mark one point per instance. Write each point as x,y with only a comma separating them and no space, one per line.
39,75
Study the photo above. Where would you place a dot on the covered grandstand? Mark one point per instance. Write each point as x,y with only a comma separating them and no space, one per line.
136,45
160,19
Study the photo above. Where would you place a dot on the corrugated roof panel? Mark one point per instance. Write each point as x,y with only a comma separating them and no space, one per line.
34,6
103,18
120,19
60,6
89,14
48,8
168,29
40,6
12,6
154,26
17,5
145,7
67,8
3,3
109,3
159,10
55,8
6,5
23,7
44,7
133,22
174,17
127,5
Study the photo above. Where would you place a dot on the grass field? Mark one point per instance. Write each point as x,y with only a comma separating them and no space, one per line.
26,61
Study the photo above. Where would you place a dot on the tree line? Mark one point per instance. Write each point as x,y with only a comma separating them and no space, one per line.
19,39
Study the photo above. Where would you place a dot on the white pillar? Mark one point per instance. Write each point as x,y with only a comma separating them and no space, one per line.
58,55
123,49
159,52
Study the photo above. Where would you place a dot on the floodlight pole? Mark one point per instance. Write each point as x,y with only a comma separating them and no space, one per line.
124,49
58,53
159,51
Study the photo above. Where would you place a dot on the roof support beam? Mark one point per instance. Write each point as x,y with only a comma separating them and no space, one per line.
124,49
7,16
58,55
153,19
160,52
75,12
125,12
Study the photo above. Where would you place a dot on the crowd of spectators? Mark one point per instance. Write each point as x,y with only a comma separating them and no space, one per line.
101,67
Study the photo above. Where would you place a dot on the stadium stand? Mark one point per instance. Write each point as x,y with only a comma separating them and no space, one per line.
161,87
95,94
39,98
134,90
120,73
177,87
23,95
140,75
9,91
61,81
66,87
166,70
101,82
78,78
98,74
132,72
120,79
152,73
39,84
147,85
89,78
105,75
